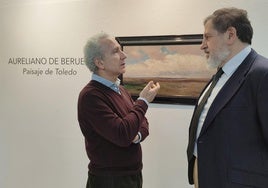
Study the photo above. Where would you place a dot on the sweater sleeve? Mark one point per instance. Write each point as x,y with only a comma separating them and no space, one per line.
114,120
144,129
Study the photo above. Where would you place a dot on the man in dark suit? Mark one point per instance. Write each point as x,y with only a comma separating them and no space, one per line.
228,135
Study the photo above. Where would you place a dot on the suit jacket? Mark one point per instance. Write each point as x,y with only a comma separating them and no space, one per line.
233,143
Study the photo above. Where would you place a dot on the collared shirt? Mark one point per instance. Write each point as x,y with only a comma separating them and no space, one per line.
113,85
228,69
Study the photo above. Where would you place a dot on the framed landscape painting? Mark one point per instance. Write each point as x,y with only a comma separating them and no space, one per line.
175,61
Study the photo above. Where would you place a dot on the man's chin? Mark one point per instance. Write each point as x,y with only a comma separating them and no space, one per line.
123,71
212,64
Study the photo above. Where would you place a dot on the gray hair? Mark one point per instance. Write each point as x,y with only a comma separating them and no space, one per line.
224,18
93,50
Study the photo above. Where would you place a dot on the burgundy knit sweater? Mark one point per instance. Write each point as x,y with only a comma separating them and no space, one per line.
109,122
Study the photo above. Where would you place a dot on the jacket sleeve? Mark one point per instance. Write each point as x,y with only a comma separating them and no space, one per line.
263,105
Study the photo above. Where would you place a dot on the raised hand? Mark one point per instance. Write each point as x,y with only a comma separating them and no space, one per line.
149,91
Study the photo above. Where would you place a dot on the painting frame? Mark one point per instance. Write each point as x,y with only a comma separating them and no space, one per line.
164,40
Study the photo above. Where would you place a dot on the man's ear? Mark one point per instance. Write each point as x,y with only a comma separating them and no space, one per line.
99,63
231,34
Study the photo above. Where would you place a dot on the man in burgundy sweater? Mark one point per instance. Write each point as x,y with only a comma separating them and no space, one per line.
112,123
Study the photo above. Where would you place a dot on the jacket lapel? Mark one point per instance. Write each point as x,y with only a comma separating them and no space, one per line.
229,89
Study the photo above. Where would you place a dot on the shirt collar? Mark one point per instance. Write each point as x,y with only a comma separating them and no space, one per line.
108,83
233,63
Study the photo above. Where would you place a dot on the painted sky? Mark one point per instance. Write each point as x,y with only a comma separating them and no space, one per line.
173,61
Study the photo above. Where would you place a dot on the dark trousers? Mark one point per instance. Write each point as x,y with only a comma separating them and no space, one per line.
130,181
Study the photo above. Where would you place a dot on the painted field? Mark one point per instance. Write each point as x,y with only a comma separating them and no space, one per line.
170,87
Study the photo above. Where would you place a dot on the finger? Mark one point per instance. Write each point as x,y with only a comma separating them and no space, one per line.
150,84
155,86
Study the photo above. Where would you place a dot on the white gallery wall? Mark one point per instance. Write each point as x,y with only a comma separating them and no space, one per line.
41,145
